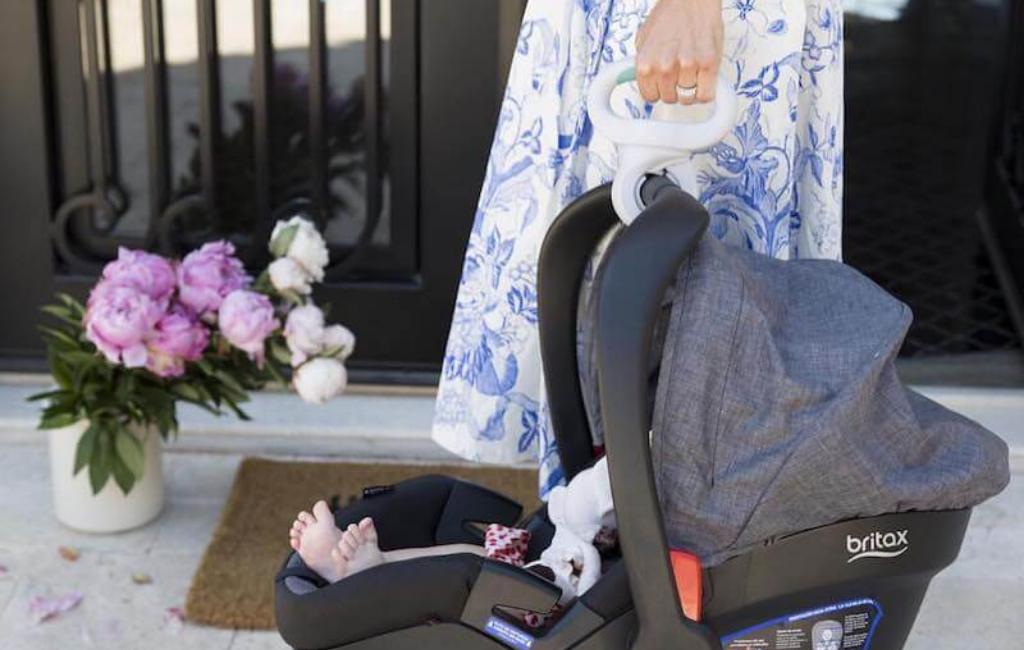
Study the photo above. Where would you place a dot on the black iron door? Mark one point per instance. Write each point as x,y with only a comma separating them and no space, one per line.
1003,216
164,123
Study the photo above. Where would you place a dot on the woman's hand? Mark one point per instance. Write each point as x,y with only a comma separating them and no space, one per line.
680,47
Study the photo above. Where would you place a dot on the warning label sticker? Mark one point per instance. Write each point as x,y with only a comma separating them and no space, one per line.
509,634
840,626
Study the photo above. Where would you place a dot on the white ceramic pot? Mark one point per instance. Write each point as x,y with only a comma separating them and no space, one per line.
111,510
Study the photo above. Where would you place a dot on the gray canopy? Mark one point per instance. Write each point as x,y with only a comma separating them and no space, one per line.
778,409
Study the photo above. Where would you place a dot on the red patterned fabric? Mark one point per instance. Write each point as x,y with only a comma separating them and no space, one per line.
505,544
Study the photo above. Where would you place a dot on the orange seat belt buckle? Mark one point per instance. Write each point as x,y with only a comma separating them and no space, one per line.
686,569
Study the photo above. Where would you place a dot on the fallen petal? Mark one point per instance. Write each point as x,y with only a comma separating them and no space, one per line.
140,578
174,619
43,609
69,554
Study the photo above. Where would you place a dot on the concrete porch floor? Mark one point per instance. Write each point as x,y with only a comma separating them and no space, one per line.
975,604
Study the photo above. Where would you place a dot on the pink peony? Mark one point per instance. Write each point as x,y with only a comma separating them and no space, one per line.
206,276
178,337
151,274
246,319
118,321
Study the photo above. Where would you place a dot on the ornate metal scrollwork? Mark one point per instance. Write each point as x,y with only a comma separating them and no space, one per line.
167,224
82,221
314,138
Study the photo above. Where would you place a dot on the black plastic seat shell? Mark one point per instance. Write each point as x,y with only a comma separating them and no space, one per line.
448,603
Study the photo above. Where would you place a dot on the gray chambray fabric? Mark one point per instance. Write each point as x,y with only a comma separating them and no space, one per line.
778,408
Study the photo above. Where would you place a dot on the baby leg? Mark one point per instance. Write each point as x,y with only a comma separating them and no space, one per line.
432,551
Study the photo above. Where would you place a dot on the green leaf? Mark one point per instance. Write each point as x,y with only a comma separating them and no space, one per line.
81,357
75,309
204,393
59,369
165,422
84,451
61,314
123,476
56,310
47,395
58,420
276,373
239,413
279,352
130,451
236,392
203,405
186,391
69,301
126,386
280,245
262,283
66,338
101,464
293,297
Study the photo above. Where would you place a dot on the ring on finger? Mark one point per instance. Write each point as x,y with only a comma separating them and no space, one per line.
689,92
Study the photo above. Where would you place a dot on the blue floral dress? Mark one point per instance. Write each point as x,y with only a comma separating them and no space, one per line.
773,185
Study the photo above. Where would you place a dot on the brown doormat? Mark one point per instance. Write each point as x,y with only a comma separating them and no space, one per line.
234,585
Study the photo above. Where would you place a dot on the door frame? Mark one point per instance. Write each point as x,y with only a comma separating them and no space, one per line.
1001,219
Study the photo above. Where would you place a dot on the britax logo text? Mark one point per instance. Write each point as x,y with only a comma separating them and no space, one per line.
877,544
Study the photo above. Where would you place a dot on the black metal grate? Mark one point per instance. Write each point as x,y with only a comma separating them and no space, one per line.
915,165
295,144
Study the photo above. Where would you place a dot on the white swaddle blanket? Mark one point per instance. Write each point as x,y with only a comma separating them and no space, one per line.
579,511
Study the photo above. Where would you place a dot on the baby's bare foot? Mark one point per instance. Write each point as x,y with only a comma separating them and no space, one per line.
314,537
358,550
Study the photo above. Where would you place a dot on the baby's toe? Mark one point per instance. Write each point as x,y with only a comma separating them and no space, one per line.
295,543
347,536
353,531
348,547
339,560
306,518
321,511
368,530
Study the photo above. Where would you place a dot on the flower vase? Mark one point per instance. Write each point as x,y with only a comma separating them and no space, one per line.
111,510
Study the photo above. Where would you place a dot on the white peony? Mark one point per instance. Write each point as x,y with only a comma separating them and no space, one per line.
304,331
339,341
320,379
299,240
288,275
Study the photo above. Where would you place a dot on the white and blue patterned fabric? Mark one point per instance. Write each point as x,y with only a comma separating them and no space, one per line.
774,185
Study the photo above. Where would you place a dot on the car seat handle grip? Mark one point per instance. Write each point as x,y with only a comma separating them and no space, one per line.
638,268
653,145
680,136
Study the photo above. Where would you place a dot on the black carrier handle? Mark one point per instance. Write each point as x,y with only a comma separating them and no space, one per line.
567,248
637,270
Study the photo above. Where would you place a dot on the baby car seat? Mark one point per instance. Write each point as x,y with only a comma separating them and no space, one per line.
856,584
801,591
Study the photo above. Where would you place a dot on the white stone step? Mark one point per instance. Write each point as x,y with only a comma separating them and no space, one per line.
366,422
383,422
